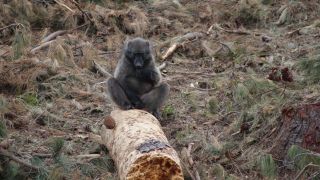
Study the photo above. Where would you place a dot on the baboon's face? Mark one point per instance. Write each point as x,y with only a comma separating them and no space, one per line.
138,53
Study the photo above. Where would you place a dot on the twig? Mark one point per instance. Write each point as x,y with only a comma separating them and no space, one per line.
207,89
191,162
63,5
95,138
90,156
10,25
304,169
217,26
108,52
14,158
101,70
195,73
294,32
210,29
42,155
78,6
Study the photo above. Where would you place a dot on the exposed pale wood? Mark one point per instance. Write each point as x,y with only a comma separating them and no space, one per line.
139,147
162,66
53,36
170,51
44,45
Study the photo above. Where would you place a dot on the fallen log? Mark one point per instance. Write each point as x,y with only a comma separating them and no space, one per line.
139,147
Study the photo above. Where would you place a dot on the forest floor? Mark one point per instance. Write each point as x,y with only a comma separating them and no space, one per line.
235,68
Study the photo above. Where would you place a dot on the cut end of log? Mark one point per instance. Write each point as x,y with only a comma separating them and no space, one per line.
155,166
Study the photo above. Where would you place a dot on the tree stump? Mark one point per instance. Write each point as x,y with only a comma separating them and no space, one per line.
300,126
139,147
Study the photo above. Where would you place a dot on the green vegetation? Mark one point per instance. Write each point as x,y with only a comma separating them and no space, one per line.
267,166
301,157
3,128
168,111
30,99
311,69
21,41
56,147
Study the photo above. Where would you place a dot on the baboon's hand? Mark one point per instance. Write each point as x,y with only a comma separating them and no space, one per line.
154,77
127,106
150,76
138,104
135,100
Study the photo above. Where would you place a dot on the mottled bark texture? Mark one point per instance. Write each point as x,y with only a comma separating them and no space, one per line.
139,147
300,126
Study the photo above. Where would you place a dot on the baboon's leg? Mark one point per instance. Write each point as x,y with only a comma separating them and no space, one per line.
118,95
154,99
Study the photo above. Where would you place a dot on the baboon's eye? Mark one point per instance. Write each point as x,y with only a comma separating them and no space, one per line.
129,55
147,56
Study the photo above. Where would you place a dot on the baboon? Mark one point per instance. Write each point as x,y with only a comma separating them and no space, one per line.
137,81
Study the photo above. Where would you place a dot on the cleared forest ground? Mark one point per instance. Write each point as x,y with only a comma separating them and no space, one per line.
244,77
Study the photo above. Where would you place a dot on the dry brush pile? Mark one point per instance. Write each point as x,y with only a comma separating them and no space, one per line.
244,76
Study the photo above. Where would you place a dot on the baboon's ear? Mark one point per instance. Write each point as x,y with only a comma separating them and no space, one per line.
129,44
150,45
126,41
147,43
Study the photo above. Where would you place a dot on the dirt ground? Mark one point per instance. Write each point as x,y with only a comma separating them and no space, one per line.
236,66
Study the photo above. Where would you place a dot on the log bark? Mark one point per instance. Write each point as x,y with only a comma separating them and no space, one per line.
300,126
139,147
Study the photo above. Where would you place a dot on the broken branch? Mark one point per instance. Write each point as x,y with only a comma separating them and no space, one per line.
180,39
101,70
53,36
304,169
170,51
90,156
191,162
80,9
44,45
63,5
14,158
